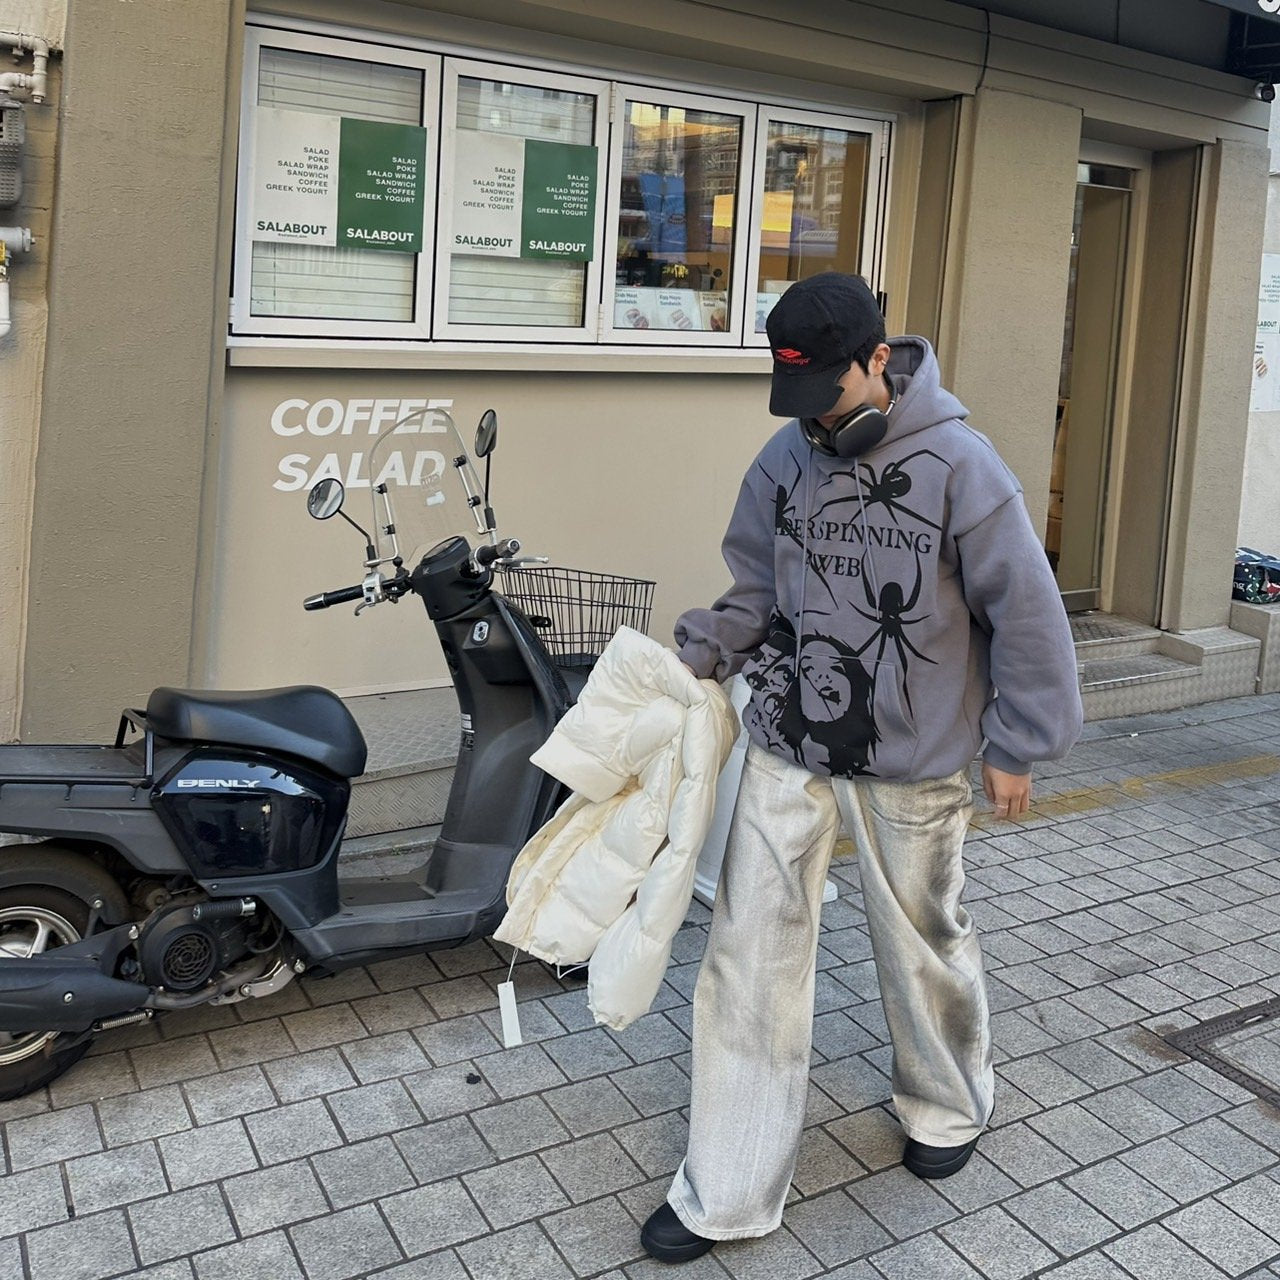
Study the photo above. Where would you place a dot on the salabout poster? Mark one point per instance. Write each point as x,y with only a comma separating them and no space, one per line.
523,198
336,180
1265,394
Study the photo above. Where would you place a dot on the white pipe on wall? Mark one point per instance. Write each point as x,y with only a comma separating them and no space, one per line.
37,82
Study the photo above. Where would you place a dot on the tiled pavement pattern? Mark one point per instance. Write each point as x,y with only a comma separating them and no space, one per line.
371,1125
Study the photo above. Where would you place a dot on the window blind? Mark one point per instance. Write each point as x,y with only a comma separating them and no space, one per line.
317,280
520,291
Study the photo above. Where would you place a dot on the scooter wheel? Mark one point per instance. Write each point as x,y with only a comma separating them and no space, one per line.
34,919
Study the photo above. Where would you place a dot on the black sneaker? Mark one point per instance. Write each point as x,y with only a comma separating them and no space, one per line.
667,1239
937,1162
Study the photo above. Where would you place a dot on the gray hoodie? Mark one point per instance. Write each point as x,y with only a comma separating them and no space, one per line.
928,617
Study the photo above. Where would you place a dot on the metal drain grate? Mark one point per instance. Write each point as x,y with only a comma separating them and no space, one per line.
1244,1047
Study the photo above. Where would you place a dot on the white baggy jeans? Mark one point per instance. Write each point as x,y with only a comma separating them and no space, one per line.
753,1006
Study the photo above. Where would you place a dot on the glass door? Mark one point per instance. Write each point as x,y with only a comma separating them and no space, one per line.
1087,385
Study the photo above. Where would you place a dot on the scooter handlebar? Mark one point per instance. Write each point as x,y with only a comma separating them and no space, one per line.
504,550
325,599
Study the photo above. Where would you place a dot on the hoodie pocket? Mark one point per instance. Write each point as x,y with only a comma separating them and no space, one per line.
895,726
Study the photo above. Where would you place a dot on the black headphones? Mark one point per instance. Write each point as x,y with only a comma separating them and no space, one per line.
856,433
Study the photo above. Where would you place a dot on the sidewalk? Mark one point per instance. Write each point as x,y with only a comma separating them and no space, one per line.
372,1125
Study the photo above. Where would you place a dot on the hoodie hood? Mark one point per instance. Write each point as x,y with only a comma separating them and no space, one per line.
920,399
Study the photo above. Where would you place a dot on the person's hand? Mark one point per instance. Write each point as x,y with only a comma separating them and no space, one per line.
1009,793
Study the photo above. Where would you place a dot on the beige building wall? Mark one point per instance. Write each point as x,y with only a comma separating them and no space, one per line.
22,352
1005,292
146,491
1260,501
135,328
1214,418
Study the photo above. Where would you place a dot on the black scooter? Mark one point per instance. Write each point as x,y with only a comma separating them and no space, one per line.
195,860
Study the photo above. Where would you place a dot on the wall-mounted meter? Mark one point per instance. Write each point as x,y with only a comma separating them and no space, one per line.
12,135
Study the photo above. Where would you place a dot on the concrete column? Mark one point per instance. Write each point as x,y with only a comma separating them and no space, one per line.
1209,462
1005,295
22,352
136,341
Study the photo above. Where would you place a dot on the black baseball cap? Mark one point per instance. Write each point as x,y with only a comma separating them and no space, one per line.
814,330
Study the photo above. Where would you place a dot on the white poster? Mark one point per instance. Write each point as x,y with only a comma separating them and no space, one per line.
1265,395
488,183
635,308
295,176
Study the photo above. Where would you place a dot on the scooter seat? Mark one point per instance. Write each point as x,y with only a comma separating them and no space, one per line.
303,720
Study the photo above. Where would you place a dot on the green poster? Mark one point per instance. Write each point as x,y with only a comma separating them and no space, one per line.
559,209
380,185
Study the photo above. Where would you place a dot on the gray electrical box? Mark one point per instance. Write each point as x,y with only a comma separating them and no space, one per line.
13,133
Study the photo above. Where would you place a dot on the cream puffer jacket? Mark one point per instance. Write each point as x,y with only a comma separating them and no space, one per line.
609,878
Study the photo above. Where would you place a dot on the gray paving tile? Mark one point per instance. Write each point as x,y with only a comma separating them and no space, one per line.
52,1136
1173,1169
83,1249
94,1078
448,1091
872,1136
591,1167
657,1144
653,1088
515,1191
319,1028
308,1075
433,1217
228,1094
823,1163
650,1038
1225,1148
902,1203
275,1197
112,1178
393,1011
381,1057
443,1149
1256,1201
163,1063
594,1236
835,1229
590,1106
587,1053
344,1245
445,1265
997,1245
1124,1196
1225,1238
207,1154
524,1069
924,1256
1079,1133
777,1256
293,1131
1024,1155
265,1256
1060,1218
374,1109
363,1171
249,1043
517,1127
32,1199
172,1226
456,1040
522,1253
135,1117
1129,1113
1154,1251
977,1185
1175,1092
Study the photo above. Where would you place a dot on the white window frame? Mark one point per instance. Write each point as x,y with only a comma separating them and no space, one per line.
872,214
698,338
508,73
243,322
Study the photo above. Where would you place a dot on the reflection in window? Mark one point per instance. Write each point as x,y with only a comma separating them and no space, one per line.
489,290
815,184
675,224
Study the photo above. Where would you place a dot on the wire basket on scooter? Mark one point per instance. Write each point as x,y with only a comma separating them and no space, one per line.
576,611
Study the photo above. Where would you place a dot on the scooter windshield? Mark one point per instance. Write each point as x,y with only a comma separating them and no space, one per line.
431,488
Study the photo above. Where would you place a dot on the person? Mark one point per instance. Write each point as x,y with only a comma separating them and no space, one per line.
891,609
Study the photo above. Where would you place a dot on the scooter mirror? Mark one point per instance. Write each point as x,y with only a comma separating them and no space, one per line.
486,434
325,499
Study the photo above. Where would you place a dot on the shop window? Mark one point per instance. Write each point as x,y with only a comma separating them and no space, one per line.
403,195
816,198
677,178
519,218
336,172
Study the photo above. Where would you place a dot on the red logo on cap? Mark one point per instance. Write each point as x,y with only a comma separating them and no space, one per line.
789,355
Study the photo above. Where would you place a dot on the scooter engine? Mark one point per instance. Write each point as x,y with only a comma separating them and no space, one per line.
180,953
